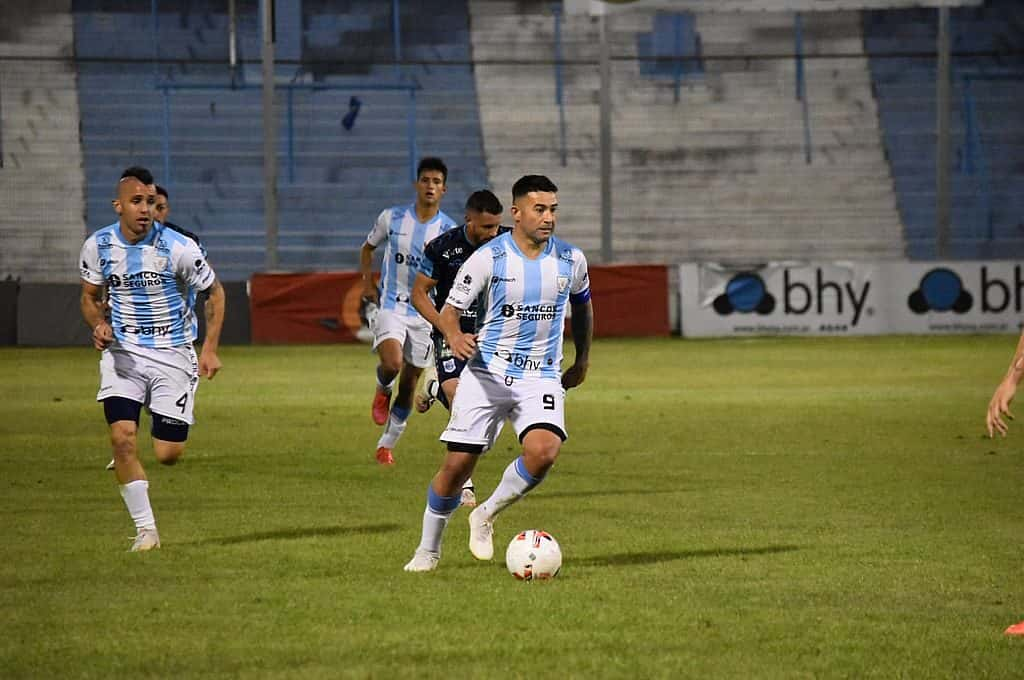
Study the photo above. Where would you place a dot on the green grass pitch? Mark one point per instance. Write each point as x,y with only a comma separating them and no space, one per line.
770,508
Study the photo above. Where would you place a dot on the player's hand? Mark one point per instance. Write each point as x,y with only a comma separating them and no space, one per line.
574,376
463,345
102,335
209,364
998,407
371,294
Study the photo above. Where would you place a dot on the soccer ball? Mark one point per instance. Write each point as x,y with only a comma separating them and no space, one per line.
533,554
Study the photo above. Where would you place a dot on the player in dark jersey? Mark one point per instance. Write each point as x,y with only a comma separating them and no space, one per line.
162,208
442,258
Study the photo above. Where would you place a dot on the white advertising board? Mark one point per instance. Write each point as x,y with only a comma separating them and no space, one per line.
851,298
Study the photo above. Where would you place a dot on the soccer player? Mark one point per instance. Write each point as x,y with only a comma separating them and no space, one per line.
527,278
161,208
401,335
146,273
999,405
441,261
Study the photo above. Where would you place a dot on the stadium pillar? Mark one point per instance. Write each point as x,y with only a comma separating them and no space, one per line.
943,151
269,135
606,141
232,39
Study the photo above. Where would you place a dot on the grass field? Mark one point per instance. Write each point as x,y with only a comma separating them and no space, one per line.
763,508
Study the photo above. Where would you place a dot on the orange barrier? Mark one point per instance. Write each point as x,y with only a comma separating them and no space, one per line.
630,300
304,308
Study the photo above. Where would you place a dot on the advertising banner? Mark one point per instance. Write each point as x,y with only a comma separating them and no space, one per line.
305,308
850,298
630,300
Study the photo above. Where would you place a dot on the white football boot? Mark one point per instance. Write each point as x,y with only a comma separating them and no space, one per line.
145,539
481,533
423,560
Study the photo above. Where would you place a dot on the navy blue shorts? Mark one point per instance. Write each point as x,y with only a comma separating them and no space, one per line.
448,366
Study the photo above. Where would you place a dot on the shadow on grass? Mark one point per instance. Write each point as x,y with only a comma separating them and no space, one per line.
606,492
629,559
291,534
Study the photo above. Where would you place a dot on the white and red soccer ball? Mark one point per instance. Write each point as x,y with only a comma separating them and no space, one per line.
533,555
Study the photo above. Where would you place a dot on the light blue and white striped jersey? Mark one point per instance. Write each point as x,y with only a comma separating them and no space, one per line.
523,304
151,284
406,237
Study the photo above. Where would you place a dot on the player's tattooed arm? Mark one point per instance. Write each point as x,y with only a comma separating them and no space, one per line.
370,292
94,312
209,362
582,326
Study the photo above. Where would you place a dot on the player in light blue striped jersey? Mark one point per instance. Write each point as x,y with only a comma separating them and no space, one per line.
146,274
525,281
401,335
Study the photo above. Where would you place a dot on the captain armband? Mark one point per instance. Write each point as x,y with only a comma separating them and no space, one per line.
580,297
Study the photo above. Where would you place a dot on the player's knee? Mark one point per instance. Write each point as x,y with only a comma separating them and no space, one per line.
122,440
541,446
540,457
168,453
390,362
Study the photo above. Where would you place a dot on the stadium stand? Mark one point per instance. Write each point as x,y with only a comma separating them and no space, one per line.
41,181
988,181
340,178
719,176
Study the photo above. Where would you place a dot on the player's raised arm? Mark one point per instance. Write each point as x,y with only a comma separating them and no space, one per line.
209,362
999,404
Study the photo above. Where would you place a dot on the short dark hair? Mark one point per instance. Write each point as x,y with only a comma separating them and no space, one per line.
432,163
138,172
484,201
528,183
162,192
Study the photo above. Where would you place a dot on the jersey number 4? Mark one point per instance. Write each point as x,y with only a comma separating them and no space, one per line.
182,402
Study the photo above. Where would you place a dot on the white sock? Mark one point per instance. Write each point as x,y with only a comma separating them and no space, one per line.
136,497
515,483
397,421
435,518
433,530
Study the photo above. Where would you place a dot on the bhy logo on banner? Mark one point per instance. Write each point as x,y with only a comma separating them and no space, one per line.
747,292
941,290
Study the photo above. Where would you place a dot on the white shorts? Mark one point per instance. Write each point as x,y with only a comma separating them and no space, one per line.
483,401
412,332
163,379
